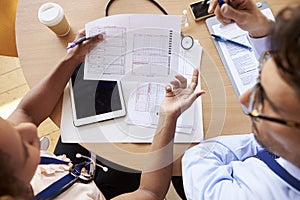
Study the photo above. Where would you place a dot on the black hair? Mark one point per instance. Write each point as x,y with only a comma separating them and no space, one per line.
285,39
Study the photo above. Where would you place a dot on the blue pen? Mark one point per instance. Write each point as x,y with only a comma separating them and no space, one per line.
222,39
76,42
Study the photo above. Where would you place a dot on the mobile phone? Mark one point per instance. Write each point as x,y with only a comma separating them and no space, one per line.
199,9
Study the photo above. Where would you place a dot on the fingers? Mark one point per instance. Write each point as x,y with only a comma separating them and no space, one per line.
95,39
88,44
178,91
179,82
220,16
199,93
182,81
175,84
80,34
194,81
79,51
212,6
168,90
194,84
229,12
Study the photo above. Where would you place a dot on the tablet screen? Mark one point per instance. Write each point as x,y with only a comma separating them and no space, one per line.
94,100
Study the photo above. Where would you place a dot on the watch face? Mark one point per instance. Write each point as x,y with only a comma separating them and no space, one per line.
187,42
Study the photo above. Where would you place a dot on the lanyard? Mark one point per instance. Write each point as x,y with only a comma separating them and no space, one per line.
270,161
48,160
65,182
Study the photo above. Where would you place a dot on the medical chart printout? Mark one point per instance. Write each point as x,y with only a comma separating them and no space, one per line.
135,46
242,63
144,104
144,101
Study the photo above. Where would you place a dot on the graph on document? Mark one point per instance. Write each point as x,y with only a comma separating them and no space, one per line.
108,57
151,54
144,104
140,52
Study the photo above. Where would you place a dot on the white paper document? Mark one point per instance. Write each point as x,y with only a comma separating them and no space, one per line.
144,101
135,46
189,129
242,62
144,105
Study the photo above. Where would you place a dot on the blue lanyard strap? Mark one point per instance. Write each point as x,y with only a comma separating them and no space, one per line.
267,158
63,183
57,187
49,160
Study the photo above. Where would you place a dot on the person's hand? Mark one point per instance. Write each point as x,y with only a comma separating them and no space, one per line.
181,96
79,51
244,13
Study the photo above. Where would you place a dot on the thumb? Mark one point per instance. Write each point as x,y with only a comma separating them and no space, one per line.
199,93
96,39
231,13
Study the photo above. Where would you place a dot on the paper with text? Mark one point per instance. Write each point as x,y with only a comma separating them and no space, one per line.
135,46
242,62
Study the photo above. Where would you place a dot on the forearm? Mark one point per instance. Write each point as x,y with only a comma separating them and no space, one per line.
156,175
157,172
40,101
160,165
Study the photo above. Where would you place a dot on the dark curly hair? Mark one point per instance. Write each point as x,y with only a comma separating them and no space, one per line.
9,184
285,39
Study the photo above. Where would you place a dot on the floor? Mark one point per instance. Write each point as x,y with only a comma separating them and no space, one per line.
13,87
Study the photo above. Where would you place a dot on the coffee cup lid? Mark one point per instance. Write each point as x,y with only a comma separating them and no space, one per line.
50,14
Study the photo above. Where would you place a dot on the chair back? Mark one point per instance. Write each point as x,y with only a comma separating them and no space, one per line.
8,45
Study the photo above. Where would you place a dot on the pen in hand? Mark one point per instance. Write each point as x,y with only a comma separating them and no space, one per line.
76,42
223,39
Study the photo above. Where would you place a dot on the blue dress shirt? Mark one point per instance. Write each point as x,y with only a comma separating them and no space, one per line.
226,168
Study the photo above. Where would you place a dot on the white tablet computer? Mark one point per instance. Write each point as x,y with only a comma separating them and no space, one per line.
94,100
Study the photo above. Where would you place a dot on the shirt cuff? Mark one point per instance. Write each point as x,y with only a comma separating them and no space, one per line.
260,45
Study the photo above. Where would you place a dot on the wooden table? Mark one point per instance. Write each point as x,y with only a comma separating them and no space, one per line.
39,51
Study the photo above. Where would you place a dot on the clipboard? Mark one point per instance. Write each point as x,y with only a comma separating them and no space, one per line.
212,21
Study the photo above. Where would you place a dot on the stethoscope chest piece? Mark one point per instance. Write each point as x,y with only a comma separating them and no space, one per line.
187,42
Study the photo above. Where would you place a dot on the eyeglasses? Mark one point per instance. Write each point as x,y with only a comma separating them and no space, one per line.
257,98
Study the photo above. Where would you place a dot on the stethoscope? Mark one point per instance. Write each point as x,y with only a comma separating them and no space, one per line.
44,145
83,172
187,41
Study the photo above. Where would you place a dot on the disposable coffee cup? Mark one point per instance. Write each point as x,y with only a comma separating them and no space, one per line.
52,15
